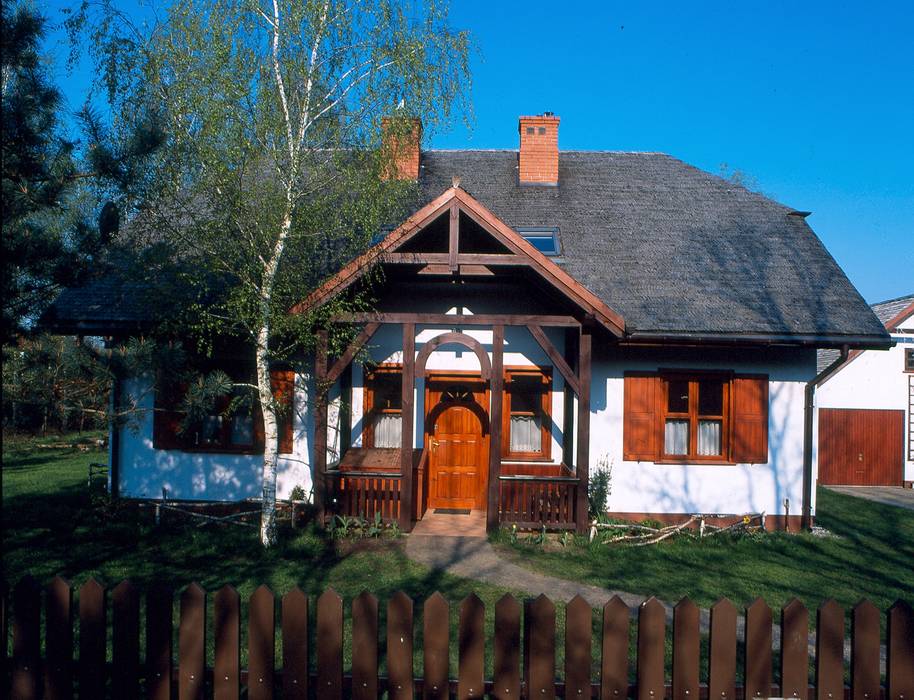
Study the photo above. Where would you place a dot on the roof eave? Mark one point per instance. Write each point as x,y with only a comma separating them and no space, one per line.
863,342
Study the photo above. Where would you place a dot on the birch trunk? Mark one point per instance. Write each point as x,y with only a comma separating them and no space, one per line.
271,441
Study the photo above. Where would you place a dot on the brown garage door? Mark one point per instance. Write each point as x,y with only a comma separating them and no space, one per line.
860,447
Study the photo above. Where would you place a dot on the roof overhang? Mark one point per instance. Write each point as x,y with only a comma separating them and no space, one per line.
860,342
521,253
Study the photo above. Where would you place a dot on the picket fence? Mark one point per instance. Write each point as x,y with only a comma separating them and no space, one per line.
520,669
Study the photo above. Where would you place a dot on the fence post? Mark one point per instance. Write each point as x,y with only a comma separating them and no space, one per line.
900,646
685,650
578,645
227,630
436,634
758,650
865,651
506,661
830,651
651,642
722,651
614,657
539,635
26,639
295,645
261,644
159,609
330,645
192,643
365,647
58,677
93,636
125,642
400,647
471,643
794,650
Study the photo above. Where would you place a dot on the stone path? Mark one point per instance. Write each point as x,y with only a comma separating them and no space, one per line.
888,495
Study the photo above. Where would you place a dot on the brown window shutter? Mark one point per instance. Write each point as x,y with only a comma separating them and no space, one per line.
165,420
283,384
750,420
639,422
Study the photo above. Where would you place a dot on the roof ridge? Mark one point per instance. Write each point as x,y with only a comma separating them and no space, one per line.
903,297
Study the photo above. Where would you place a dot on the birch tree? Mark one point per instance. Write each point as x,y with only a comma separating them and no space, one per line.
271,175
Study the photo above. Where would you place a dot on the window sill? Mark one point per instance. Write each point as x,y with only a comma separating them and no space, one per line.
525,458
696,461
216,450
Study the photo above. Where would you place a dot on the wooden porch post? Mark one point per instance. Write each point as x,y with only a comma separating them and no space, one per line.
321,494
583,465
496,390
406,436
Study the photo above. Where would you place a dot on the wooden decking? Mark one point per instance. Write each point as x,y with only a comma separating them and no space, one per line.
472,525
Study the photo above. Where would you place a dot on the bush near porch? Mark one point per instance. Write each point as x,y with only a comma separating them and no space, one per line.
869,556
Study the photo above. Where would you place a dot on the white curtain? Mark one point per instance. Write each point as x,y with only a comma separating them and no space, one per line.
526,434
709,437
676,437
387,429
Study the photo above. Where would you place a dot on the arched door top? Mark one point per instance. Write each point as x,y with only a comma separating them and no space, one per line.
485,367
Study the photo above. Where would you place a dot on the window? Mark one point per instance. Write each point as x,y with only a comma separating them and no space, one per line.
526,429
695,417
383,407
909,360
693,422
544,239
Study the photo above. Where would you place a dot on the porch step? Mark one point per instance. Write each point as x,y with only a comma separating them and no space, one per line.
437,523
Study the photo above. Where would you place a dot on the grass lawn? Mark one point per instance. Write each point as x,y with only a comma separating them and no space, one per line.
871,558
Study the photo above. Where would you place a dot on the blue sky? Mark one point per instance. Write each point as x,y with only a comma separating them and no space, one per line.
814,102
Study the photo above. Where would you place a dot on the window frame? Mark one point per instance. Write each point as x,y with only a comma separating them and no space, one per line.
545,453
909,360
694,378
368,398
527,232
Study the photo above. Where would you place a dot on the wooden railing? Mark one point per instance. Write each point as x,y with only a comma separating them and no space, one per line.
537,501
364,493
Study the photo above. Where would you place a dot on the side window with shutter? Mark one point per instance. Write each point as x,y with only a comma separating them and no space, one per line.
283,381
639,424
750,420
166,419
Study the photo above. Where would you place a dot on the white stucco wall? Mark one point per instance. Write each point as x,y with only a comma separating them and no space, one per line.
874,380
646,487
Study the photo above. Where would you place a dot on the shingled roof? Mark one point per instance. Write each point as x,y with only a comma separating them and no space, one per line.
885,311
678,252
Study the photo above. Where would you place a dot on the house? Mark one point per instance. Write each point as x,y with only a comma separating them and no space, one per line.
865,408
543,314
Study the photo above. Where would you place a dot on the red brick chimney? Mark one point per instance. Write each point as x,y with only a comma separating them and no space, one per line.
539,149
401,140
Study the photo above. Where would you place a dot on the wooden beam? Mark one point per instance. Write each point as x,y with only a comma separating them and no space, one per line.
496,393
494,259
459,319
406,434
583,461
320,425
354,347
453,237
462,270
557,360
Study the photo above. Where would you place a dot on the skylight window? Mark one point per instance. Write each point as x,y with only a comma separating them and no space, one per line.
544,239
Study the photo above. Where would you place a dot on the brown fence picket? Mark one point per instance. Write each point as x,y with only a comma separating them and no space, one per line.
794,650
58,668
93,634
900,648
435,634
295,645
4,626
365,647
614,656
471,648
722,651
686,650
261,644
227,633
330,645
865,651
539,647
506,661
26,639
651,641
400,646
578,645
125,640
159,610
830,651
758,650
192,643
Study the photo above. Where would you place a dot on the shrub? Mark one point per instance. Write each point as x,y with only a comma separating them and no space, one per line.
599,489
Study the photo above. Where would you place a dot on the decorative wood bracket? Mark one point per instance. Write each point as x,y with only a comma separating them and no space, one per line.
351,351
540,337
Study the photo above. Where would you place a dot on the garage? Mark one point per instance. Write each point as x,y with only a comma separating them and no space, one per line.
861,447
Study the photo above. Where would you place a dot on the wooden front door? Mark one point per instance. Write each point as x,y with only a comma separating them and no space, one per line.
458,447
861,447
